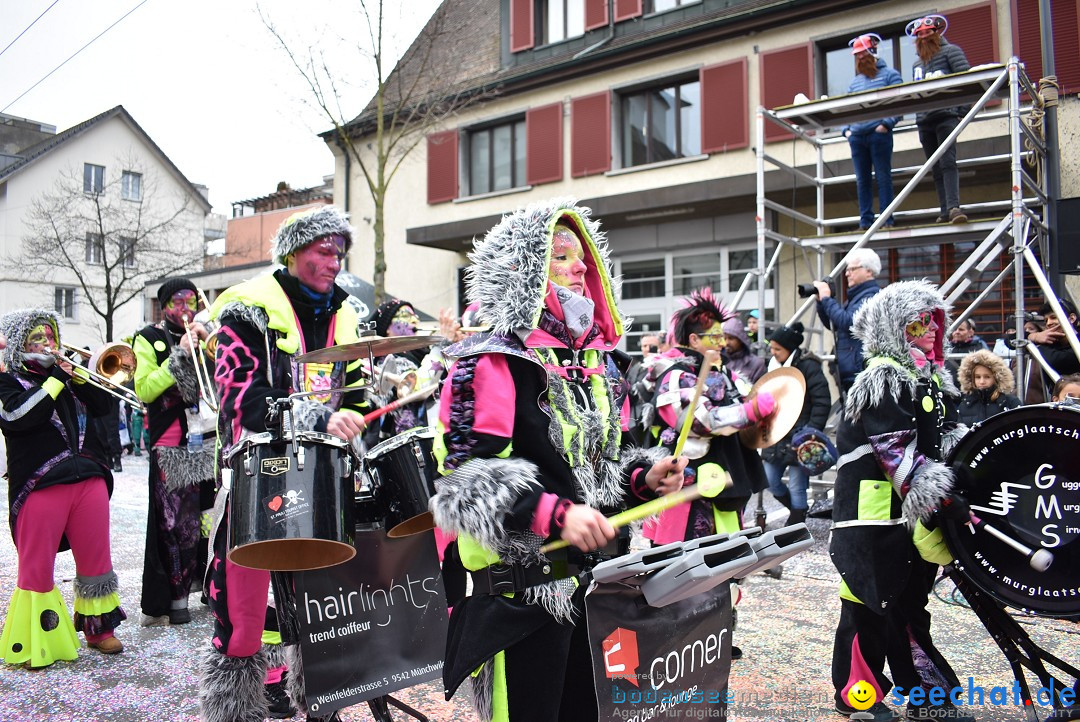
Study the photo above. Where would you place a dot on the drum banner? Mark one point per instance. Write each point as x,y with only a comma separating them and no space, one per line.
1024,485
667,662
373,625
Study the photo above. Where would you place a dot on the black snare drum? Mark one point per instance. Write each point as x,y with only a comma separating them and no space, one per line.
403,471
291,504
1025,464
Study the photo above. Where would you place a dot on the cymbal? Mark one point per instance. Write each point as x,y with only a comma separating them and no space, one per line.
788,387
369,345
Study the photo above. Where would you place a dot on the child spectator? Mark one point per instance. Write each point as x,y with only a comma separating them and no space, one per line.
987,386
1067,387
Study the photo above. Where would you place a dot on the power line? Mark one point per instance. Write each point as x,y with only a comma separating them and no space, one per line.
73,55
28,27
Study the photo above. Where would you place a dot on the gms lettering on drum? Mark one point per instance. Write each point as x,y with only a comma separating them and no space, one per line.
1025,464
621,658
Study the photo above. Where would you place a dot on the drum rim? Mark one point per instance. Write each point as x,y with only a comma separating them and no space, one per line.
265,438
399,440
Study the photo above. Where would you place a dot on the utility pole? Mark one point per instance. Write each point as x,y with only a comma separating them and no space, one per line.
1050,133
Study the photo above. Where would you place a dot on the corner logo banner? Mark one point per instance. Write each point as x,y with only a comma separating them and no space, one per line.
373,625
653,663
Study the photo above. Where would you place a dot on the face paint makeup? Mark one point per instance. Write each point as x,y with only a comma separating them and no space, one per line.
181,306
714,338
567,267
404,322
41,339
922,332
316,265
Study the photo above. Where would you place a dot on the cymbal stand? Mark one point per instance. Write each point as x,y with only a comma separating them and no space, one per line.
1018,648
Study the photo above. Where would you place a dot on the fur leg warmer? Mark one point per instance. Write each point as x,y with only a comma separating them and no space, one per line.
231,688
294,683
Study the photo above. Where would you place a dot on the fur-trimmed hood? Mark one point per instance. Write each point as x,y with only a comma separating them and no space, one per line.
1003,377
16,326
880,323
508,276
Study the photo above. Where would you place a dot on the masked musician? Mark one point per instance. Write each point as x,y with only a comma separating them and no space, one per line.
265,324
181,475
531,422
899,424
59,483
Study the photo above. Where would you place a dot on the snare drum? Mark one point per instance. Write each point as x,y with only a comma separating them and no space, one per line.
403,471
291,504
1025,464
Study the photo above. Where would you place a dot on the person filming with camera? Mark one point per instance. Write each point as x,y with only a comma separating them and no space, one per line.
863,266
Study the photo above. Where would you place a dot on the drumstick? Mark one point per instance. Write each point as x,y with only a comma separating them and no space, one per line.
1039,559
417,395
655,506
684,432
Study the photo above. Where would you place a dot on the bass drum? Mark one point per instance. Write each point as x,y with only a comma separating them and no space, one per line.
1025,468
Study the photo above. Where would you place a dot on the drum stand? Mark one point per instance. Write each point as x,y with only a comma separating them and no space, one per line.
381,712
1015,644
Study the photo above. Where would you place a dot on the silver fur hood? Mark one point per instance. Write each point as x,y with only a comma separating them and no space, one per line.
880,323
303,228
16,326
509,270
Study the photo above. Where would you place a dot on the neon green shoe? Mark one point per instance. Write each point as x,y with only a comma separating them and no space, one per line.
38,629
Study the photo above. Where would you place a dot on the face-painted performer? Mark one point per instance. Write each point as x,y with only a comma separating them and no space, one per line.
181,479
265,324
59,484
899,424
399,374
937,55
530,426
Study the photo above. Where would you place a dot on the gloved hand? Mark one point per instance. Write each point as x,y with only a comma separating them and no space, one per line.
955,508
963,481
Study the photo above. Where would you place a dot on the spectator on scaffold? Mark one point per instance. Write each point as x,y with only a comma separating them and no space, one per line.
871,141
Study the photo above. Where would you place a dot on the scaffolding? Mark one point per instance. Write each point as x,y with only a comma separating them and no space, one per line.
1019,229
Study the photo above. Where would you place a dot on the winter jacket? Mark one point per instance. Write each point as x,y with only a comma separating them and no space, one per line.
978,405
815,408
849,356
749,366
948,60
164,378
885,77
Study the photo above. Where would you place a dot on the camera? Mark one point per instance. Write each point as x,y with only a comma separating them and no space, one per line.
806,290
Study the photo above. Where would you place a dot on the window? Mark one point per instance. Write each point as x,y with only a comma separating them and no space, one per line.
660,6
644,325
93,178
643,279
497,158
131,186
661,123
127,251
559,20
64,301
95,248
896,49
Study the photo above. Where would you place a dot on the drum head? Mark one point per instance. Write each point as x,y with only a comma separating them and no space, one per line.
1025,465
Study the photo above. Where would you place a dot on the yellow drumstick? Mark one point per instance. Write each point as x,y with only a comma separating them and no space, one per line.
699,387
707,488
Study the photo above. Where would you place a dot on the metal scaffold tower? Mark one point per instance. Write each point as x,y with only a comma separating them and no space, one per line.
1019,232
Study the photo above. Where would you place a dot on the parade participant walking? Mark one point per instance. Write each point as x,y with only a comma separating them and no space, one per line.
181,473
937,55
785,343
899,423
265,323
59,484
531,424
871,141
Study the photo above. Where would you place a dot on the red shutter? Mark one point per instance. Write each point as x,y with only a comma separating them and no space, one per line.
784,74
725,111
595,14
590,135
543,144
626,9
1027,43
442,169
974,30
521,25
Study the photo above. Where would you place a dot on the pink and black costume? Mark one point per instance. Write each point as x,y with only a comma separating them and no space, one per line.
59,484
531,421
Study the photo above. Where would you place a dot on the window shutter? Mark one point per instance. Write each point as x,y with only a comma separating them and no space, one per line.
725,112
521,25
784,74
626,9
595,14
974,30
442,166
543,144
590,135
1028,45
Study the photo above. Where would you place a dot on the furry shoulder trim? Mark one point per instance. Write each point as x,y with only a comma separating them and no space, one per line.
254,315
930,483
874,382
182,367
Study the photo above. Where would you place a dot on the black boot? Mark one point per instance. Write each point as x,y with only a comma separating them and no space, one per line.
277,700
797,516
784,499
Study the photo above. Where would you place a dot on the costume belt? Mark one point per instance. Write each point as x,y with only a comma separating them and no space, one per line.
508,578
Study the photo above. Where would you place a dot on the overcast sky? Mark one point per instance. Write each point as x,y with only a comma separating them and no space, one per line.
204,78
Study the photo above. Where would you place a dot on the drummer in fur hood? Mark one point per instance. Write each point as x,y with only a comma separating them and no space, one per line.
529,438
899,425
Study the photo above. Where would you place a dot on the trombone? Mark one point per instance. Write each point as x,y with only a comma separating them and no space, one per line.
108,368
203,377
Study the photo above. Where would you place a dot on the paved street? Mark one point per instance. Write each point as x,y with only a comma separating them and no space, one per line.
785,630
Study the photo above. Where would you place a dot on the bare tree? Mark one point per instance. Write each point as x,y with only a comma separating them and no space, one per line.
410,99
112,239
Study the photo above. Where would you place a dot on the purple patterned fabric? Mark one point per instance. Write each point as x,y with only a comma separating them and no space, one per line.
459,442
177,515
889,451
